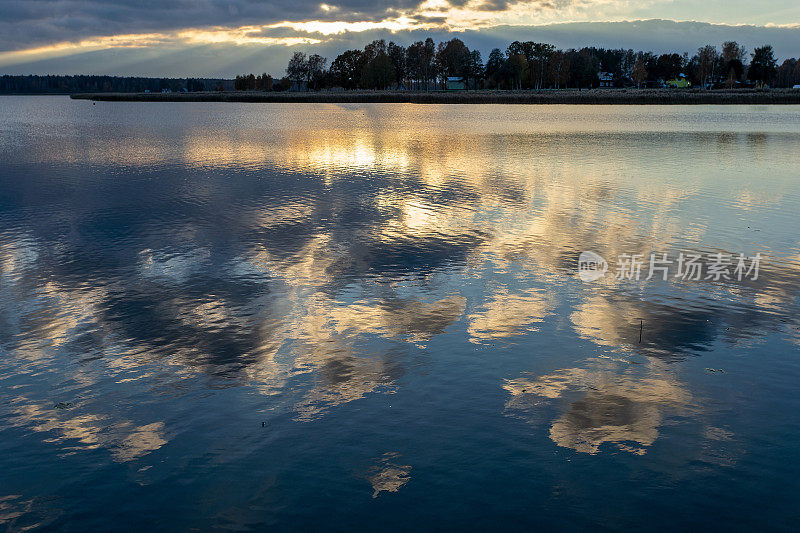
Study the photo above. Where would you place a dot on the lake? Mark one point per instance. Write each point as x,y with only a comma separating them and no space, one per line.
379,316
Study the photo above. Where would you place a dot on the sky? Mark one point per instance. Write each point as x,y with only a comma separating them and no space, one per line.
210,38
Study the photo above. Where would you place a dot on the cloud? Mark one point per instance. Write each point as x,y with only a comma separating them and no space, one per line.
226,52
29,24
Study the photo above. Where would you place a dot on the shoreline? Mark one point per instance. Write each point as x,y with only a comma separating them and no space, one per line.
561,96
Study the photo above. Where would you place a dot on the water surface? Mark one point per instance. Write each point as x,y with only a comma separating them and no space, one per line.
241,316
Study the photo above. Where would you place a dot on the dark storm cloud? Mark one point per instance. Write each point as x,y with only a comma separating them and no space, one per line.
29,23
494,5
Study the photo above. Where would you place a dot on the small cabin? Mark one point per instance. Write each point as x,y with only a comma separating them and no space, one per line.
606,79
455,83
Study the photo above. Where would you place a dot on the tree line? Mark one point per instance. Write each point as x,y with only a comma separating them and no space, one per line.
425,65
95,84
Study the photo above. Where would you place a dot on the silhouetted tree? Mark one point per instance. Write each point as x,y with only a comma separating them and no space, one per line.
559,69
494,67
346,69
584,68
639,74
732,50
378,73
420,62
475,68
453,59
297,69
706,61
762,65
668,66
515,69
399,59
732,62
788,73
315,70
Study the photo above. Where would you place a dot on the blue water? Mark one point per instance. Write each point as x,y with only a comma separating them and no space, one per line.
324,317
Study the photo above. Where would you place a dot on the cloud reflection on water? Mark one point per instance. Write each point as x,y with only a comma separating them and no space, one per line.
307,259
613,405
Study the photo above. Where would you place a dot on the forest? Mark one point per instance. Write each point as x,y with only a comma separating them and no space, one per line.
52,84
428,66
424,65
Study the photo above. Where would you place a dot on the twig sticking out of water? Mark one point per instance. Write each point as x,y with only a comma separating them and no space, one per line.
641,327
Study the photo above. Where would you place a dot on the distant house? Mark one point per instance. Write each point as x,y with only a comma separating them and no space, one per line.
455,83
606,79
678,83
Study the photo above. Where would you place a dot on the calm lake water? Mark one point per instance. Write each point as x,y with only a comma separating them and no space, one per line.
327,317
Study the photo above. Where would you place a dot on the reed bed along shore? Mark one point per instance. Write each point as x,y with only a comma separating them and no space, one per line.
569,96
